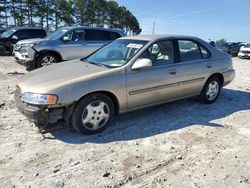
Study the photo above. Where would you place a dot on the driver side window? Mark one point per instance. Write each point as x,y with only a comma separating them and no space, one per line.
76,35
160,53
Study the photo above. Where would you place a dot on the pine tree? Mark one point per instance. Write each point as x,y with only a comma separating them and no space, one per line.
58,13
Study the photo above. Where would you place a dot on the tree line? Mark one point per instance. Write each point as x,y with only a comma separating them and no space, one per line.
53,14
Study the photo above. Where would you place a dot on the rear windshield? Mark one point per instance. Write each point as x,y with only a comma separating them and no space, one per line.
247,46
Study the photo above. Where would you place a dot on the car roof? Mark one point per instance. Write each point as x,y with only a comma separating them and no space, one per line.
157,37
18,28
98,28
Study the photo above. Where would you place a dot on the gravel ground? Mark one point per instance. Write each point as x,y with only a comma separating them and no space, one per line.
181,144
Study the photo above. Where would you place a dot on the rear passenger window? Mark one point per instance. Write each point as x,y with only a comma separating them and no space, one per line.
97,35
204,52
114,35
189,50
37,33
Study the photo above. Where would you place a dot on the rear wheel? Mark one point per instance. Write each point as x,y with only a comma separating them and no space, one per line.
93,114
211,90
46,59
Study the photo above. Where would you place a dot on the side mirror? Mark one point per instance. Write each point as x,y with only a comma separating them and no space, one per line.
142,63
65,39
14,37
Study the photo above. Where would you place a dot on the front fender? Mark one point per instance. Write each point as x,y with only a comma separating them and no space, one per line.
116,85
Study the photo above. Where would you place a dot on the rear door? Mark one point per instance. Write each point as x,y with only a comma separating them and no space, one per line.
157,83
195,67
95,39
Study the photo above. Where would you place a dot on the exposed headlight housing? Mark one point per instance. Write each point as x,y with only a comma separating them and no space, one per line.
17,47
28,45
39,99
25,46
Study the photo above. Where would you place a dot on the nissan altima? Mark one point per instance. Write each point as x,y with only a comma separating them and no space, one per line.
128,74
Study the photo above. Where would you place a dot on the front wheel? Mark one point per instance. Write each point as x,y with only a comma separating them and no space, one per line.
3,51
46,59
93,114
211,90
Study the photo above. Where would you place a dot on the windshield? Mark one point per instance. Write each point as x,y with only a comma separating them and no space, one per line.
117,53
8,33
57,34
247,46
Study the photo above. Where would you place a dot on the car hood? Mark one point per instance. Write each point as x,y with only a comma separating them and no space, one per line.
245,49
57,76
31,41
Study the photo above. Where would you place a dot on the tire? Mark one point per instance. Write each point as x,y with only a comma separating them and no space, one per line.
211,90
93,114
3,51
46,59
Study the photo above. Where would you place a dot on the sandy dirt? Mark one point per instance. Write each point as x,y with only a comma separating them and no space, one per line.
181,144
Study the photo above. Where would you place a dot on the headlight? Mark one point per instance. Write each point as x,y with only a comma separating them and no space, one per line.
17,47
28,45
25,45
39,99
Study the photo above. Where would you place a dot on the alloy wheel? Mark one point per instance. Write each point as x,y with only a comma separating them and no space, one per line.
212,90
48,60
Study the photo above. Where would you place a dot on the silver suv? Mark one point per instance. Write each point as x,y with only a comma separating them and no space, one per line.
65,44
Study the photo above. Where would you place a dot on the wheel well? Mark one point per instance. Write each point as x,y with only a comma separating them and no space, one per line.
219,75
51,52
111,96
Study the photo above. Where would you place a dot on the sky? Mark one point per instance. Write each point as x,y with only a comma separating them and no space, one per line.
206,19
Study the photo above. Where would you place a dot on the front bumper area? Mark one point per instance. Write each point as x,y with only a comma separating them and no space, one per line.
244,55
25,56
41,114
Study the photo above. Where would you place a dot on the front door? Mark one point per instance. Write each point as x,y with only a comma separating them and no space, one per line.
157,83
75,48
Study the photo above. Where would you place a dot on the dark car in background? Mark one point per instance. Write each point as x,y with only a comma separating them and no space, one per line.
65,44
221,47
13,35
232,48
2,30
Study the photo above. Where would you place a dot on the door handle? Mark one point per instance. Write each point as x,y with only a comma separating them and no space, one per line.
209,66
172,71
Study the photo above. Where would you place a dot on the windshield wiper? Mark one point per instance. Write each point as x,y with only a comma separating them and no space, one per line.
95,63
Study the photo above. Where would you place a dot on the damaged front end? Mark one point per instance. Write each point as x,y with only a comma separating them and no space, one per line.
43,115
